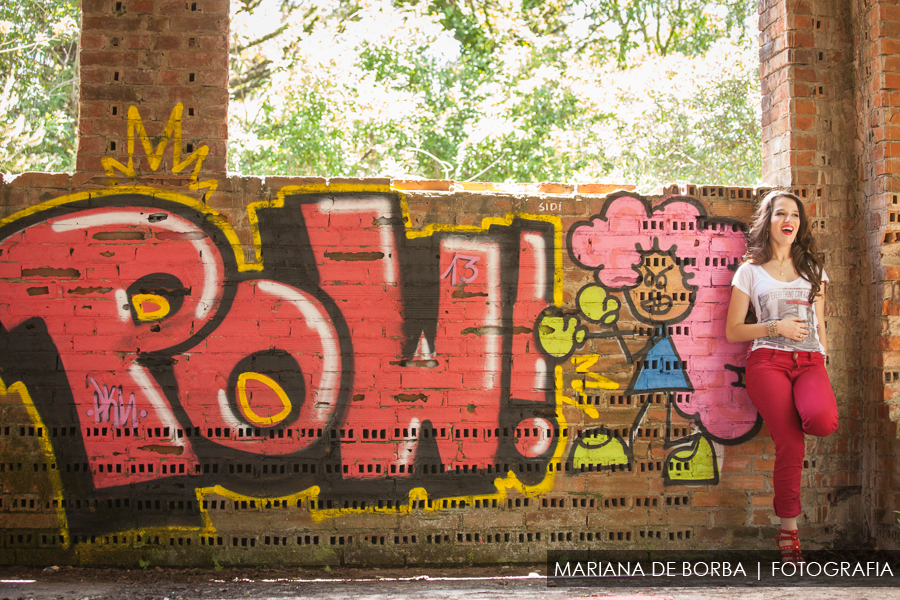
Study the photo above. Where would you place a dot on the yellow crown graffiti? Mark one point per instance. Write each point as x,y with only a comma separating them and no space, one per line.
155,156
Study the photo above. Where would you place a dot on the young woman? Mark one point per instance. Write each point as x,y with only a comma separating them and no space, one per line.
784,281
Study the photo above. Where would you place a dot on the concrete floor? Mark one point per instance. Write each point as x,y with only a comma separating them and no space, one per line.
522,583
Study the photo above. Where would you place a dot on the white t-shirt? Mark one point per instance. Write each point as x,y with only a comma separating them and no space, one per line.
776,300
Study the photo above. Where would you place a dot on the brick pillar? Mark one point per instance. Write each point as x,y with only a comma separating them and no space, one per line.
877,28
154,55
809,145
776,86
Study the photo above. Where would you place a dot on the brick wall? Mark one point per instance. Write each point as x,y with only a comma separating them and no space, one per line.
154,55
491,395
200,366
877,37
809,133
829,74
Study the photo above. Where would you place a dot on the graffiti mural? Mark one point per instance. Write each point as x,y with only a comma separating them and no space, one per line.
358,358
672,266
357,364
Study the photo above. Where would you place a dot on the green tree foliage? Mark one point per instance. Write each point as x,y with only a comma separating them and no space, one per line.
496,90
38,54
690,120
688,27
15,137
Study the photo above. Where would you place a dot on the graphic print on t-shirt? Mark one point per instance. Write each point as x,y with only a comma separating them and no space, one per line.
784,304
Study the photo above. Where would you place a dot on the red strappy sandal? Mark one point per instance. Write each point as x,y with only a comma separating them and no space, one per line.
790,553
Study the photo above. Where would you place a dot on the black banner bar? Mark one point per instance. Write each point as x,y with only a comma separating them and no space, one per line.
634,568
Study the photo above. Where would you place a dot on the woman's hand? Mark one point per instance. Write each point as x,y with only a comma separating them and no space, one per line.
793,328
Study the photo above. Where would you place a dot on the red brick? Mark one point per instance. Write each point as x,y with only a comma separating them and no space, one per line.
803,39
729,517
761,464
761,499
805,142
155,23
602,188
754,447
890,342
109,92
742,482
91,145
612,519
275,183
887,12
42,180
715,534
803,159
762,517
112,24
807,107
806,177
198,60
690,518
802,90
167,78
92,41
139,77
475,186
197,25
94,75
95,6
138,42
720,499
887,29
805,74
556,188
886,167
171,7
798,7
803,122
440,185
212,42
102,59
888,47
561,518
800,21
93,110
215,79
629,486
736,464
141,6
85,162
217,8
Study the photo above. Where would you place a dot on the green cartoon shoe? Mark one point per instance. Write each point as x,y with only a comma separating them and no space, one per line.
693,465
601,450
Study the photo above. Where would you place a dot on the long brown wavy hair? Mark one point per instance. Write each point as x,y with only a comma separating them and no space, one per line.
803,250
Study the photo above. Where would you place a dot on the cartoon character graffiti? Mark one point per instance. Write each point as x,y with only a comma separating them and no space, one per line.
673,265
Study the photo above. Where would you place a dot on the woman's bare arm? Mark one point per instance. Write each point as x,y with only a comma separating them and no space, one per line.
735,328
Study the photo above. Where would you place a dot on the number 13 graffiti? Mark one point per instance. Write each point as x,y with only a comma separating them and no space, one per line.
456,274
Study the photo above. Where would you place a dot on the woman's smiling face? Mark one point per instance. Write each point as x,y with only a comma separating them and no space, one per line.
785,221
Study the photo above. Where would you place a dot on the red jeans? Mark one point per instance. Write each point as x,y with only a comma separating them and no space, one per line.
793,395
